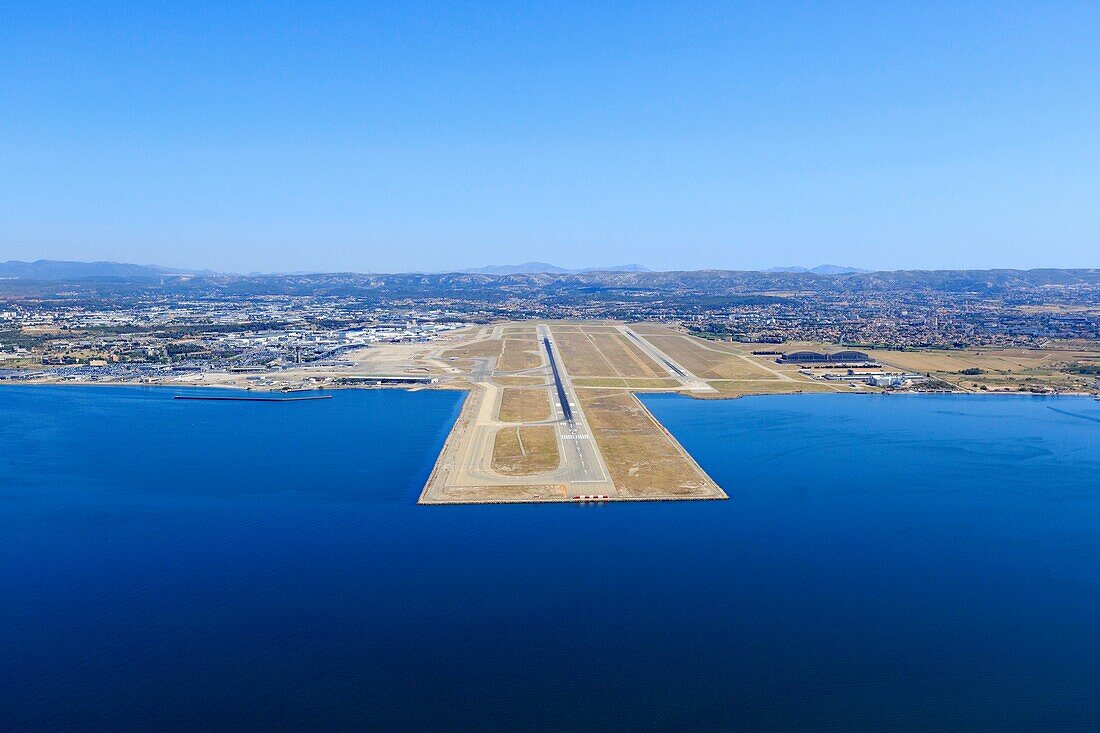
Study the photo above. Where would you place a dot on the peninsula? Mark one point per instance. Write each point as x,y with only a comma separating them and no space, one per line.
552,362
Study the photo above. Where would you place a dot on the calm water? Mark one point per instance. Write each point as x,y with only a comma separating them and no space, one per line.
884,563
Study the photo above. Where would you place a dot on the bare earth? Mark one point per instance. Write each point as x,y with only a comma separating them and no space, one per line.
524,451
524,405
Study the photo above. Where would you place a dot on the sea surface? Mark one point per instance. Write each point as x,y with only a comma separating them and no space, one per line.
884,563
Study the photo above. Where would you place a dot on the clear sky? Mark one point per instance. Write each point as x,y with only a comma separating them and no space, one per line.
429,136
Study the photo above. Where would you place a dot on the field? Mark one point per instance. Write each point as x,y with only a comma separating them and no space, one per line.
733,387
656,328
524,405
516,351
525,450
584,327
999,369
707,360
519,381
643,460
487,348
955,361
607,359
664,384
519,354
603,353
519,330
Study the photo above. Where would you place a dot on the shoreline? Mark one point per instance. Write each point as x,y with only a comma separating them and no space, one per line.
263,390
458,387
867,393
463,416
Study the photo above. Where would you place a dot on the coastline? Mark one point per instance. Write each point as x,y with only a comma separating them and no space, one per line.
466,414
613,447
458,386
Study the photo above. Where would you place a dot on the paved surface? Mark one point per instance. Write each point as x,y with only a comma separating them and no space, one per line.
464,472
464,468
581,459
675,370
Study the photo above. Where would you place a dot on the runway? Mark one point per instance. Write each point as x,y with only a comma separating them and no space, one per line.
580,457
544,448
465,467
674,369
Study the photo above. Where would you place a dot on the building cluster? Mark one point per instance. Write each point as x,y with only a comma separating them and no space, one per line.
928,320
280,322
154,338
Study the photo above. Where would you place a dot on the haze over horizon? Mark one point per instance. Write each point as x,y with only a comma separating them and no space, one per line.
679,136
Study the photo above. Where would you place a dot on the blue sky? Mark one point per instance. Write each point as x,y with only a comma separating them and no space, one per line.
430,136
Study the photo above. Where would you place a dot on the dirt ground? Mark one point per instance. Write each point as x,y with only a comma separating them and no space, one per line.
490,347
665,384
519,381
1007,370
525,450
705,360
640,455
519,354
522,404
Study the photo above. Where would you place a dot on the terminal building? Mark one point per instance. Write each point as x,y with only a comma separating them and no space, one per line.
814,357
379,379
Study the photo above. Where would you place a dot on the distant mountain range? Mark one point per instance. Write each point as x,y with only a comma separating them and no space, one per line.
50,270
16,276
819,270
44,277
63,270
535,268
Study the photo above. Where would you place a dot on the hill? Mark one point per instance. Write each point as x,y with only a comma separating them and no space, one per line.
541,268
50,270
820,270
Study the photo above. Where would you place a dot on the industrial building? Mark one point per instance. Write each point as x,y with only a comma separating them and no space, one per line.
815,357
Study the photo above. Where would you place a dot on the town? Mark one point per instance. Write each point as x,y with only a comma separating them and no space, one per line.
187,328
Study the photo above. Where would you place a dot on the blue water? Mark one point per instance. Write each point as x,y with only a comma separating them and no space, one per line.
884,563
